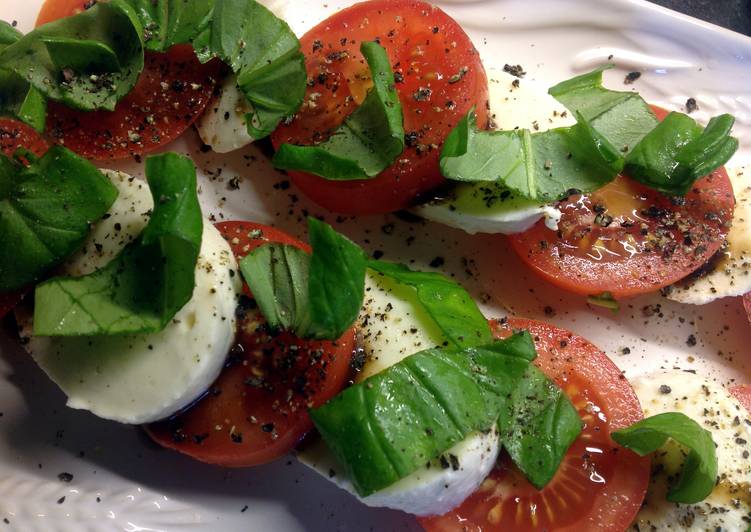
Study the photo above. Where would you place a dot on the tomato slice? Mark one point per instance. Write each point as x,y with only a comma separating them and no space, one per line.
439,78
742,392
599,486
172,92
627,239
257,410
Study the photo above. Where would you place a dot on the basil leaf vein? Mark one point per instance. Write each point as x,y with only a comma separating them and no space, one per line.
45,212
699,472
368,141
151,279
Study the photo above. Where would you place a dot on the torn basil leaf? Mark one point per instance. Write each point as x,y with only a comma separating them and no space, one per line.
388,426
538,427
18,99
264,53
45,212
542,166
447,303
699,472
87,61
314,296
368,141
668,156
393,423
169,22
151,279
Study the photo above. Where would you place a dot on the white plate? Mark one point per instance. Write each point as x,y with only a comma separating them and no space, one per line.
122,482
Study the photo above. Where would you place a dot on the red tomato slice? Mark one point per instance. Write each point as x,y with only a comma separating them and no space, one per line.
257,410
599,486
171,93
439,78
15,134
742,392
627,239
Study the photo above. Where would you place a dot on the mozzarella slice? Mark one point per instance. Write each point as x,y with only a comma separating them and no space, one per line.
488,207
392,325
729,506
223,126
731,275
143,378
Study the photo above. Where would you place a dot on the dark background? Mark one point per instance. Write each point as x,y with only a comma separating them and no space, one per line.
732,14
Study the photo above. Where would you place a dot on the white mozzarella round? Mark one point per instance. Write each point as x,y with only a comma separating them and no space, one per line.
488,207
393,325
731,275
729,506
223,126
143,378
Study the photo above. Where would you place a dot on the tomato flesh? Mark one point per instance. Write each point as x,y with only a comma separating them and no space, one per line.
599,486
257,410
439,79
742,392
171,93
627,239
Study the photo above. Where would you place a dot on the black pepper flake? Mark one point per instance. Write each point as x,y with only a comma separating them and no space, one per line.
691,105
631,77
65,477
236,437
515,70
422,94
244,509
691,340
437,262
377,254
267,427
61,500
665,389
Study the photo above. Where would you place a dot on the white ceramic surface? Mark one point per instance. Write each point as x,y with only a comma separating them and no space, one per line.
122,482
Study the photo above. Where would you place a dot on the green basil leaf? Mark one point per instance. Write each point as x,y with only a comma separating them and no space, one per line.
539,427
543,166
699,473
45,212
623,118
142,289
368,141
19,100
264,53
668,156
337,281
87,61
450,306
277,275
388,426
166,23
314,296
8,34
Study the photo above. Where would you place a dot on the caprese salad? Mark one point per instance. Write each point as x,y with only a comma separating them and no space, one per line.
236,344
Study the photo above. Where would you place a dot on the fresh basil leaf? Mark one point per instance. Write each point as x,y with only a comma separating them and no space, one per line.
699,473
72,60
19,100
8,34
539,427
45,212
142,289
668,156
623,118
543,166
168,22
264,53
277,275
450,306
388,426
337,281
314,296
368,141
